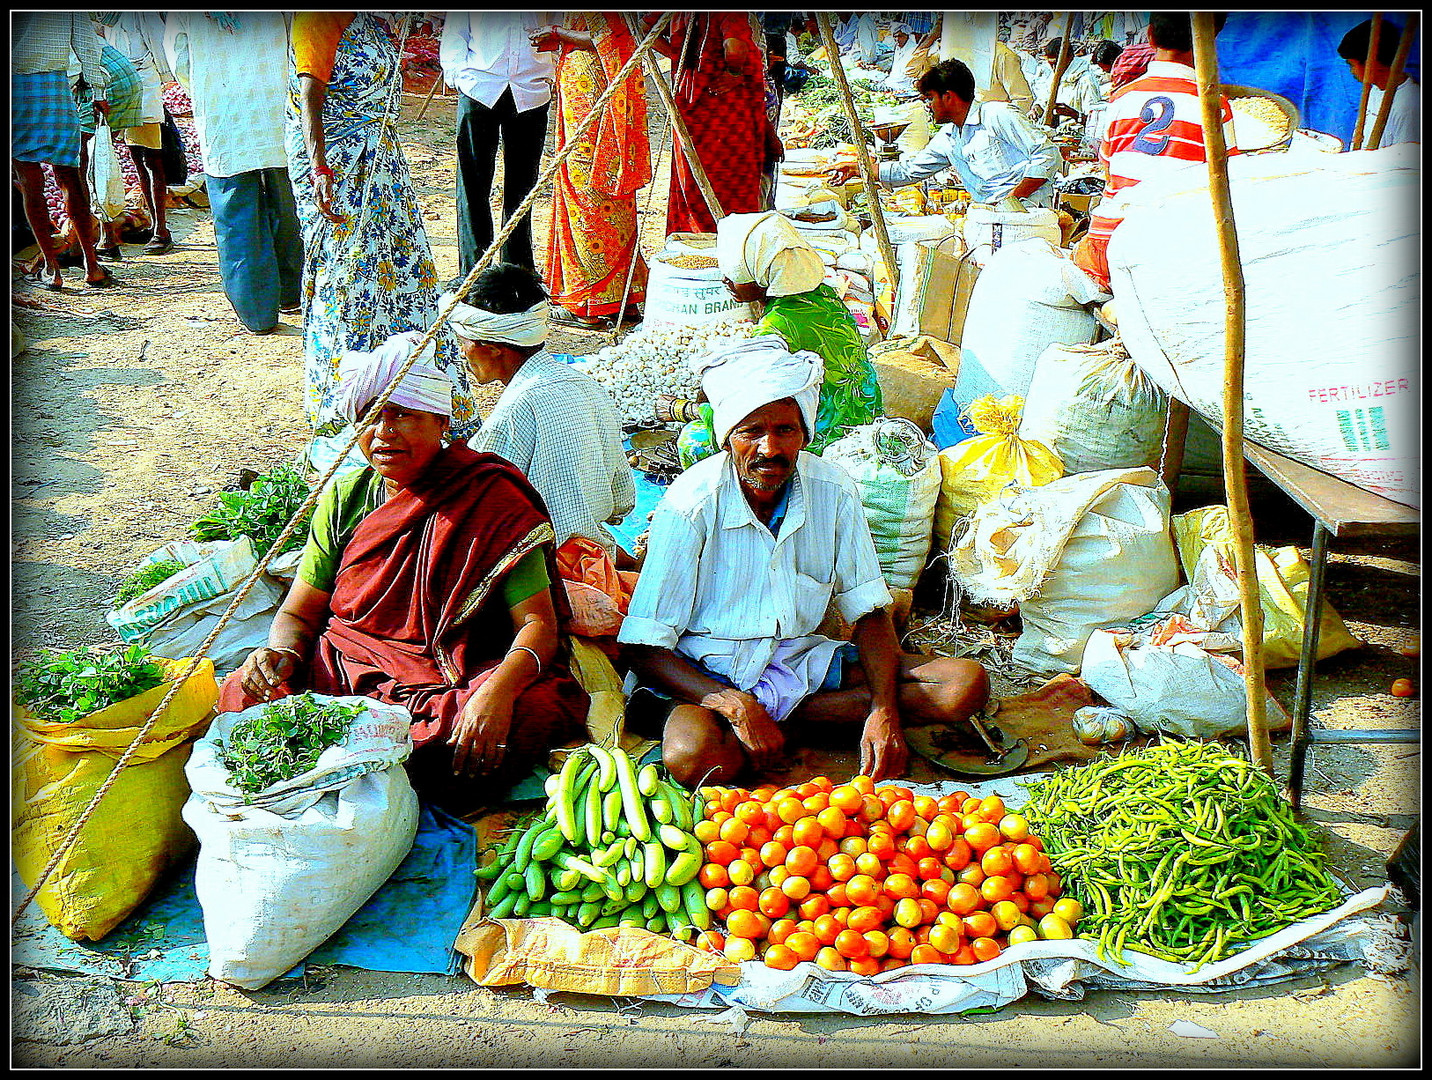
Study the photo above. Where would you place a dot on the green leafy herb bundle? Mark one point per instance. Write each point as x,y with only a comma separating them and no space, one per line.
260,513
284,740
62,687
146,577
1182,850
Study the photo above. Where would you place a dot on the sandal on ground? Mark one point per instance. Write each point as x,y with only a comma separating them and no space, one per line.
159,245
110,254
565,318
103,283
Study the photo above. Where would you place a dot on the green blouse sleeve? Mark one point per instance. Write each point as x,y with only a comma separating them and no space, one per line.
341,506
526,579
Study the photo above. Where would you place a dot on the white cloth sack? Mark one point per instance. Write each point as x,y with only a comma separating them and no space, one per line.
280,875
1093,407
1331,249
1176,687
210,570
988,231
897,470
105,177
183,630
1075,554
1029,296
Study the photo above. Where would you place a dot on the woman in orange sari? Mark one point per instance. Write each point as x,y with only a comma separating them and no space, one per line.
593,240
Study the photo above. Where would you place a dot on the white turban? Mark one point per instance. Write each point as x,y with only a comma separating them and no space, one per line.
520,328
363,376
769,250
742,376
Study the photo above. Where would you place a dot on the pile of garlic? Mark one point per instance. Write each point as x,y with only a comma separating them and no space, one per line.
653,360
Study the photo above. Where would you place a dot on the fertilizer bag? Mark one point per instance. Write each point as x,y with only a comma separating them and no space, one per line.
280,871
1094,408
977,469
897,472
135,833
1331,250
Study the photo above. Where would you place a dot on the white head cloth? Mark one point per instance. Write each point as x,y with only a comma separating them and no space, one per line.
525,328
741,377
363,376
769,250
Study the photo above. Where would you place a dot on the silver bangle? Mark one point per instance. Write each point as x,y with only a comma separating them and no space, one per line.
530,652
297,656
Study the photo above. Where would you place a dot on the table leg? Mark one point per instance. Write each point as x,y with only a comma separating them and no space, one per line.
1303,696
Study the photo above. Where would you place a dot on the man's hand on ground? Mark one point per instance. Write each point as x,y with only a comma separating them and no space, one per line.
757,732
884,753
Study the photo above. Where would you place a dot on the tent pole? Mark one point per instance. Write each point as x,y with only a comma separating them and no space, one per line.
1234,477
1065,49
1374,34
683,136
862,154
1399,62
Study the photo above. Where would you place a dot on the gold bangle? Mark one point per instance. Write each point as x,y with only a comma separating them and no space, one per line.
297,656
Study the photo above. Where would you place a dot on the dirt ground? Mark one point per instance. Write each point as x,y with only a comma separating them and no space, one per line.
132,407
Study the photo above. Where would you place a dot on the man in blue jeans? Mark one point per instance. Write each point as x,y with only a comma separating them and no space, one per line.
235,67
505,89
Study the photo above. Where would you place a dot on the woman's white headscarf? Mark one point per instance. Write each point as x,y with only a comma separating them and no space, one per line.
769,250
742,376
363,376
524,328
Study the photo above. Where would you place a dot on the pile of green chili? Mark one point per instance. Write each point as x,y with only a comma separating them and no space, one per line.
1182,850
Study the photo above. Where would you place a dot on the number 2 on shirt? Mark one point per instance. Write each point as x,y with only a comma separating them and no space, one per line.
1157,115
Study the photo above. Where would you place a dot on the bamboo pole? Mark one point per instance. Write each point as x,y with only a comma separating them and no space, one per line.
442,77
1234,478
1373,35
862,155
1399,62
683,136
1065,49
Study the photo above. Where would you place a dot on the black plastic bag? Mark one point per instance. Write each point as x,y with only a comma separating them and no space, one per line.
176,162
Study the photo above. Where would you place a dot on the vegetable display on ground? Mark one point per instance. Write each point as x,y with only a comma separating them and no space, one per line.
62,687
612,846
284,740
260,513
866,879
1184,851
146,578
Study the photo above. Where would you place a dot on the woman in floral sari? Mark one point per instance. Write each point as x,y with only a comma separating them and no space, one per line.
593,240
368,268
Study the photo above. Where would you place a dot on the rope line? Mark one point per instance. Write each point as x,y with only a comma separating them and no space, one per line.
367,421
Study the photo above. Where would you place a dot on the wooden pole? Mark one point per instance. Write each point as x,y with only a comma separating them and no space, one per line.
1234,478
431,91
1065,49
868,171
1373,35
683,137
1404,47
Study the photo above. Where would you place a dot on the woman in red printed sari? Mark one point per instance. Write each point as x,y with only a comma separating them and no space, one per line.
720,92
594,236
427,582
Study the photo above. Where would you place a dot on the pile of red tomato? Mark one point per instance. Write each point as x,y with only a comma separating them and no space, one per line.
860,878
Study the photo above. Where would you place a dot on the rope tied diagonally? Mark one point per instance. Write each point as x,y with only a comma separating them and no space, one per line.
367,421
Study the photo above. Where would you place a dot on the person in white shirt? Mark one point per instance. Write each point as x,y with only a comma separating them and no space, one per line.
901,80
997,154
504,91
747,552
235,68
1404,118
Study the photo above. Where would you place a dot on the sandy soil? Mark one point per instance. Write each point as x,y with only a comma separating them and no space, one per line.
131,407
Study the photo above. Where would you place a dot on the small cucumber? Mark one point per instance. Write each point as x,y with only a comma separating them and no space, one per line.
650,905
606,767
654,856
587,913
566,897
674,838
611,809
506,907
539,909
593,892
636,891
623,874
515,880
693,900
684,868
634,815
661,811
564,800
594,813
567,880
524,902
536,881
648,779
546,846
669,897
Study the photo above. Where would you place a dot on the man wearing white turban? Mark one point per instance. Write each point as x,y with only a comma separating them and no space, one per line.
427,581
765,260
747,552
560,428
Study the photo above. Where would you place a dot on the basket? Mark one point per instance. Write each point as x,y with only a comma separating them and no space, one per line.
1278,140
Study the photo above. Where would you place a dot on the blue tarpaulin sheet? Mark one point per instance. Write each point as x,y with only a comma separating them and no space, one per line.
408,925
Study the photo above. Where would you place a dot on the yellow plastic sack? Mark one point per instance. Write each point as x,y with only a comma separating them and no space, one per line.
617,961
974,471
1282,587
135,833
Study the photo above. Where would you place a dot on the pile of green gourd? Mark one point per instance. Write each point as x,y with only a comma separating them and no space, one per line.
1182,850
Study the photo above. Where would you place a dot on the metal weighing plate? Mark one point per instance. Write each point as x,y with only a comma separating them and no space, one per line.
960,750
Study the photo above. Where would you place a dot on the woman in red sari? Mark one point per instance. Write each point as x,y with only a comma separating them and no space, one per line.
427,582
593,241
720,91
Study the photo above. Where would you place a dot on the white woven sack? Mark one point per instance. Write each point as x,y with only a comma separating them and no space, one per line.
991,231
689,297
1093,407
1331,251
210,570
1029,296
182,631
897,471
277,878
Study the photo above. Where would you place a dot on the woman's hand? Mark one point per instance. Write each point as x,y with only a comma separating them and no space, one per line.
724,82
479,738
323,196
757,732
265,671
